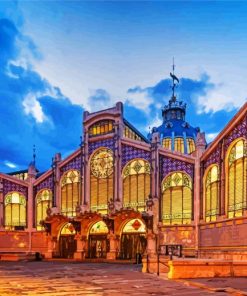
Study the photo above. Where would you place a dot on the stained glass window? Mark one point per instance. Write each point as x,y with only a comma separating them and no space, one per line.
176,199
101,180
43,201
70,192
179,145
136,184
134,226
101,128
211,193
236,179
15,211
68,229
167,143
99,228
190,145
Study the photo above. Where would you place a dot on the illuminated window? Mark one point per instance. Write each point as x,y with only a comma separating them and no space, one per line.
70,192
99,228
134,226
101,180
101,128
236,179
136,184
190,146
129,133
179,145
167,143
43,202
15,211
68,229
211,193
176,199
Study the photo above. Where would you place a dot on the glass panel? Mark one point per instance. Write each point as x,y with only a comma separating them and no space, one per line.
99,228
134,226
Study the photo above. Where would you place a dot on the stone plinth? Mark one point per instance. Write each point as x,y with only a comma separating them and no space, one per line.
197,268
150,264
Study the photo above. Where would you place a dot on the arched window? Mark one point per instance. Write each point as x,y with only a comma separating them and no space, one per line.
15,211
43,201
190,145
211,193
136,184
179,145
70,192
167,143
236,166
101,128
176,199
101,180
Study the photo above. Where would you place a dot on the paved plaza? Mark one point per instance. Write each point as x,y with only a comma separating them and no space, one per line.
70,278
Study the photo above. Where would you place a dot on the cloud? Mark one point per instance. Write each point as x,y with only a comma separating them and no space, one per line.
35,112
98,100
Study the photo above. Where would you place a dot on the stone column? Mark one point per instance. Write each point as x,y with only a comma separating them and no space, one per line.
200,148
151,243
111,255
57,191
1,205
30,204
80,253
48,253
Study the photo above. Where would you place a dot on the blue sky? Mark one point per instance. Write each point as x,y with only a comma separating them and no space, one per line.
59,58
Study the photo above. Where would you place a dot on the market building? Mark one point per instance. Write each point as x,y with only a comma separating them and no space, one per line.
122,194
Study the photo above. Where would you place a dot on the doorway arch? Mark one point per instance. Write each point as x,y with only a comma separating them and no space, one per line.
98,244
133,239
67,242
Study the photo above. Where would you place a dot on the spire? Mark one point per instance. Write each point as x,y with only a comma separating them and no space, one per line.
174,79
34,155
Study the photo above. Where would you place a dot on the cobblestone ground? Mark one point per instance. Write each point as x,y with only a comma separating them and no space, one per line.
68,279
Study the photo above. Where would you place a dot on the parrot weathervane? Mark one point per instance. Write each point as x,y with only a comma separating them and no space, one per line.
174,80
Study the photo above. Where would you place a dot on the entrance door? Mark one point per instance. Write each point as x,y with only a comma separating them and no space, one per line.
133,239
132,244
98,246
67,246
67,242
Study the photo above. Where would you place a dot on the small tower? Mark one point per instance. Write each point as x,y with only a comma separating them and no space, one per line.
32,171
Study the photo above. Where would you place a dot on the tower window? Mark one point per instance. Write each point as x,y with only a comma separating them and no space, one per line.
179,145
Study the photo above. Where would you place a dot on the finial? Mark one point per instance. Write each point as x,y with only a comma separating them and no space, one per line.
34,154
174,78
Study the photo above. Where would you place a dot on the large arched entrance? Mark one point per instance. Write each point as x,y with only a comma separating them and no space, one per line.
98,244
133,239
67,242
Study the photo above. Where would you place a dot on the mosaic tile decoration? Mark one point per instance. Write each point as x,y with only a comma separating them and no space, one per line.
74,163
168,165
129,153
214,157
108,143
238,131
9,186
47,183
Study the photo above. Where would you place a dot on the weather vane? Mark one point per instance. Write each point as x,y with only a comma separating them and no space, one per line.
174,78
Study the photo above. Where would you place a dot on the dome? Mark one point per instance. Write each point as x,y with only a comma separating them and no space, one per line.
175,132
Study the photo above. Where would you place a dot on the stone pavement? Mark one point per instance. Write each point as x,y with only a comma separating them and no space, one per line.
92,279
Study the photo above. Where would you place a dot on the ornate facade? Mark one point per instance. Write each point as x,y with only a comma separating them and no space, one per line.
121,194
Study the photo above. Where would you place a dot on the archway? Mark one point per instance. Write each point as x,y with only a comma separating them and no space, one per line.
133,239
67,242
98,245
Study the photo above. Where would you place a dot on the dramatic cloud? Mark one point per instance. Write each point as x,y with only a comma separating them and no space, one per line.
33,111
